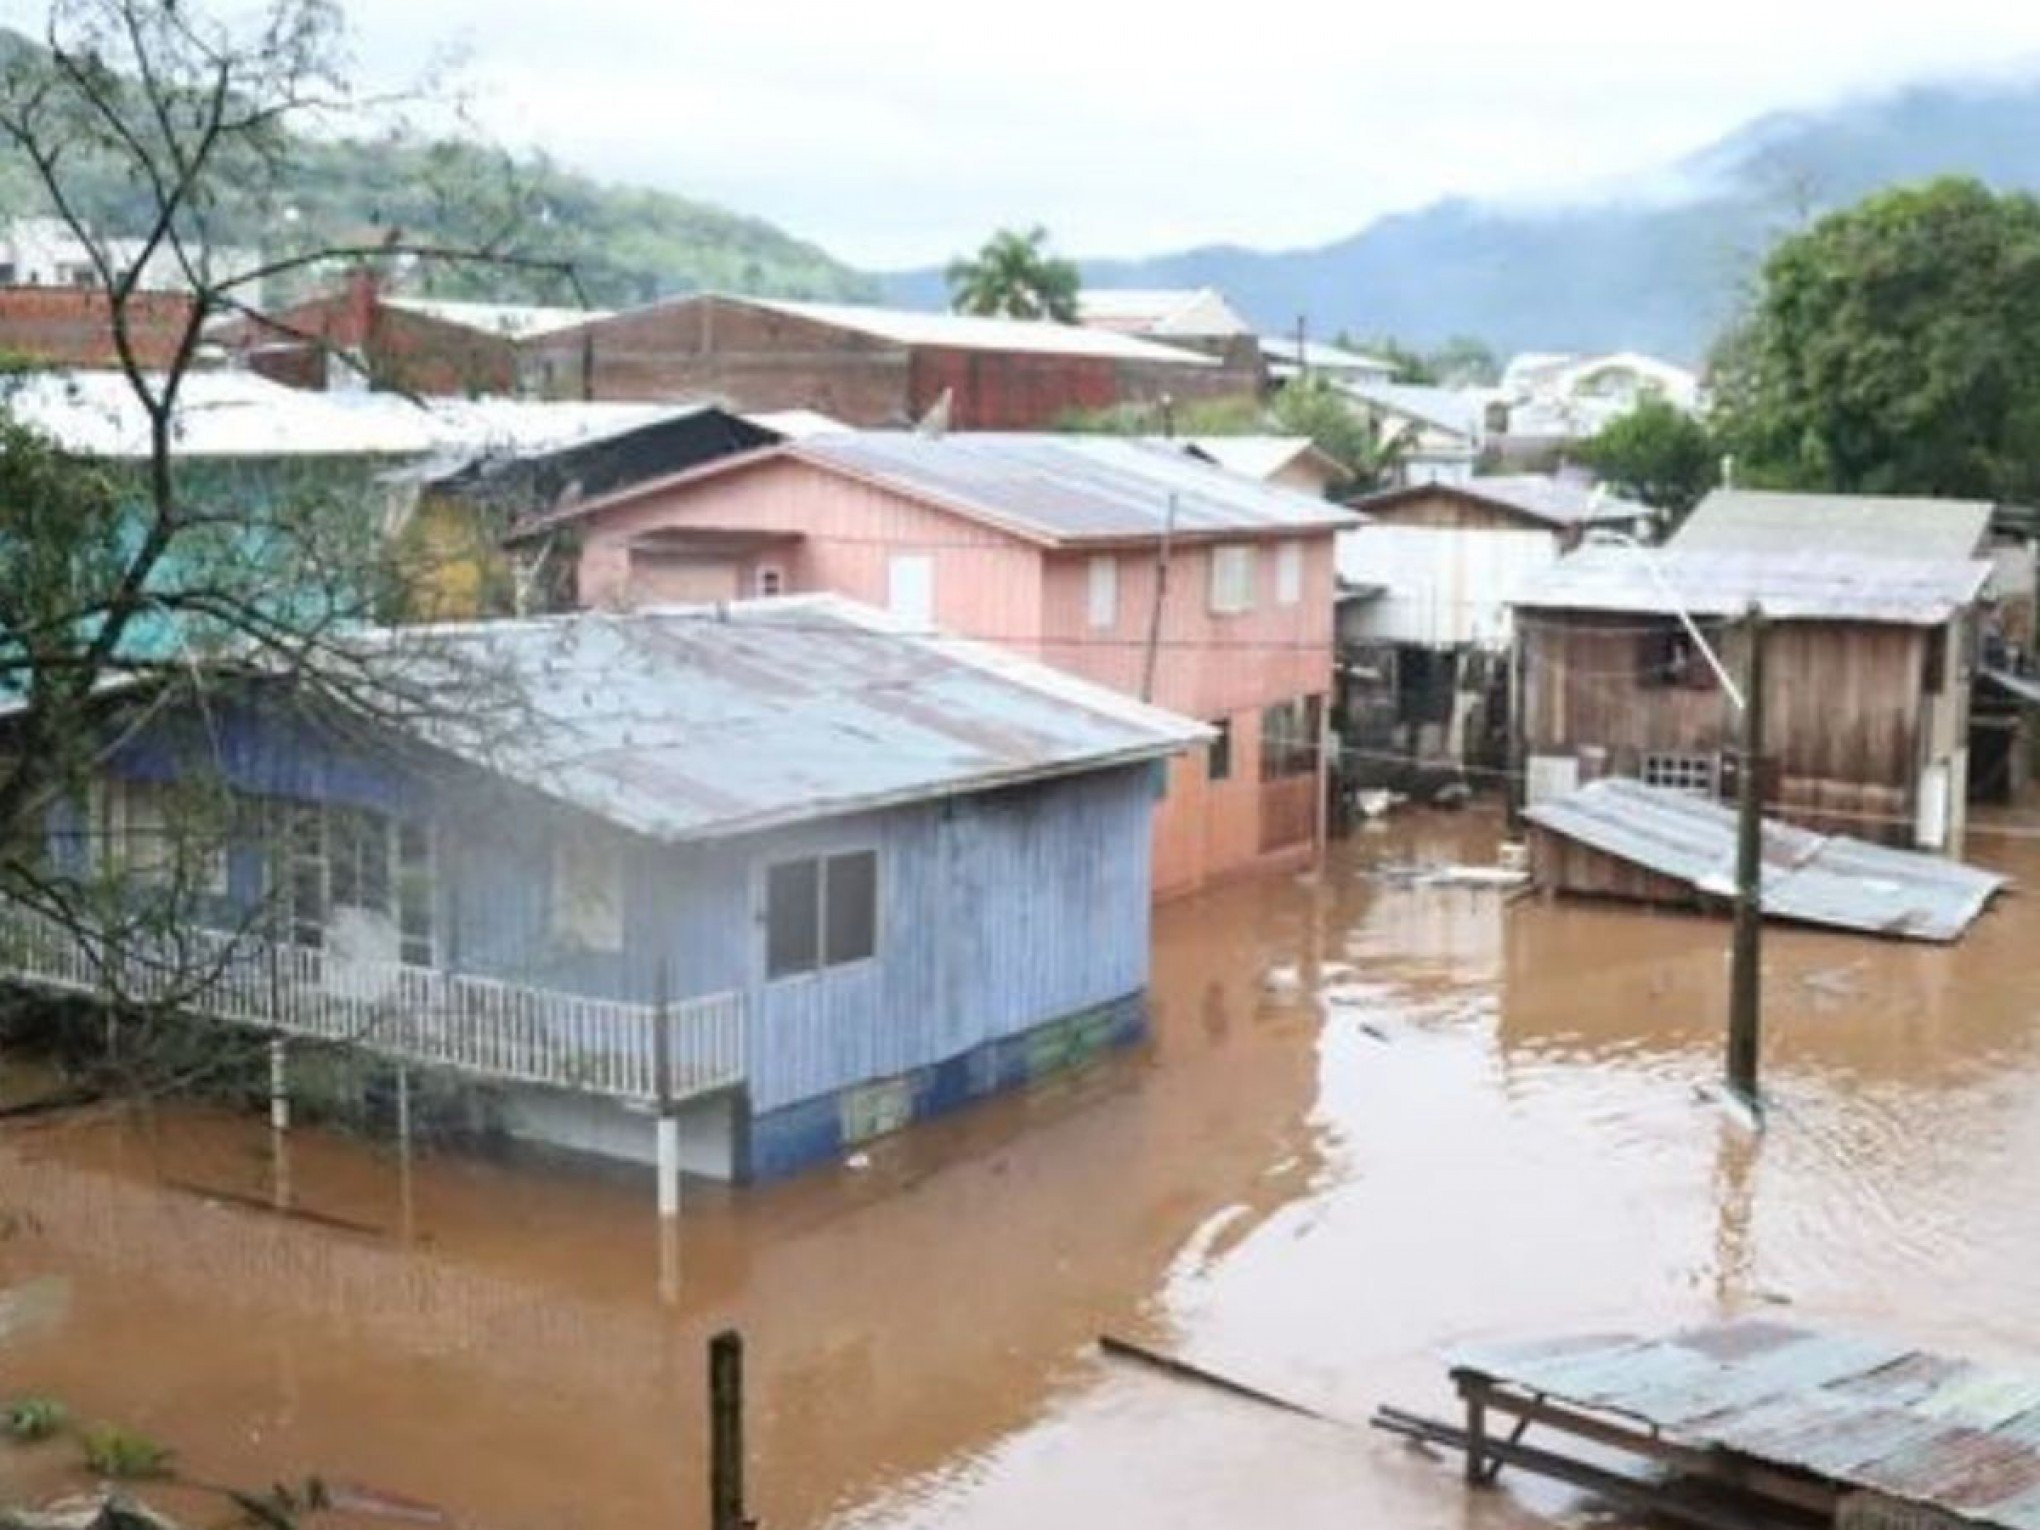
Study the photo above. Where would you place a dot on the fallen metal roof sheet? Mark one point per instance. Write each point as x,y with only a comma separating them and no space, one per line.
1074,488
702,722
1872,525
1805,585
1812,878
1869,1413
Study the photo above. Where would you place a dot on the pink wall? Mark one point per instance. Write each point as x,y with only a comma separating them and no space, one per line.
987,584
1001,588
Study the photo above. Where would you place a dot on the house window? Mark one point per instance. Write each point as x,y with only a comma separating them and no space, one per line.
334,857
820,911
910,589
1104,591
1218,754
1668,655
155,836
1232,579
1289,738
587,893
1289,573
1691,773
771,580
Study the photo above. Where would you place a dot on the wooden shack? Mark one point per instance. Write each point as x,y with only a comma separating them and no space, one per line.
1868,663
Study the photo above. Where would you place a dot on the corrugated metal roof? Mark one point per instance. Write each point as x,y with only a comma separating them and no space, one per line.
697,723
1279,353
1867,1413
1871,525
976,333
1190,311
1454,410
1258,456
1555,500
1075,488
1812,878
512,321
1802,584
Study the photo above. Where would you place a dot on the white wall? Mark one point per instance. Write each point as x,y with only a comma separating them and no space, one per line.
1444,586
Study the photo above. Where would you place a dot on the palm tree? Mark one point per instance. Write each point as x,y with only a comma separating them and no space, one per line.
1014,275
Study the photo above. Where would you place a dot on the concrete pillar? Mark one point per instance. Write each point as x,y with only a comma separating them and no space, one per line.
669,1165
279,1086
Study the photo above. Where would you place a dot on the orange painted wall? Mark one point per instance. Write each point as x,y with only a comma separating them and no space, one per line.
1004,589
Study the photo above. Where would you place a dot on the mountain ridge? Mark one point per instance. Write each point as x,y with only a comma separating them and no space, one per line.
1660,266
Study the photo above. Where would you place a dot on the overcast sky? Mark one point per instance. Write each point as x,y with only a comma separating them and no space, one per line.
902,131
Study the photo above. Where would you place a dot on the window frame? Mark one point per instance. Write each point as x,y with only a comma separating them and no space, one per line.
1286,756
1289,573
822,964
1233,585
1695,775
1101,591
572,853
1218,754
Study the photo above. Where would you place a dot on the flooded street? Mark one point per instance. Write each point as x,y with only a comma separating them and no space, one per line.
1374,1120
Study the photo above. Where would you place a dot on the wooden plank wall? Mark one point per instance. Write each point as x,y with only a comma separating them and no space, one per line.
1845,711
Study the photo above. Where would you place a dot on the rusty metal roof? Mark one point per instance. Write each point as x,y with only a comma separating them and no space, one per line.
1807,584
1076,488
1868,1413
1825,879
698,722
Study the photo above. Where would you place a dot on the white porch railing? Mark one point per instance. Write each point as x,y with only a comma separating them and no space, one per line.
477,1025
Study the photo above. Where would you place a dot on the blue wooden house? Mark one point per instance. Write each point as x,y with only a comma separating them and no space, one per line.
781,870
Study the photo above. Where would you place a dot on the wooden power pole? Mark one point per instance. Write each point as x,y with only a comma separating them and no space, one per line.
1745,1002
726,1433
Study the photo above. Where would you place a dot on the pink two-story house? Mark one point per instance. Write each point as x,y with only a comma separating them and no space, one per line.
1129,563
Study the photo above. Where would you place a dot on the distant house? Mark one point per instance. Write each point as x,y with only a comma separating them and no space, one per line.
1129,563
1289,462
1287,357
46,252
1436,432
1197,318
802,873
360,336
1867,681
1549,401
1874,525
1424,628
868,366
73,326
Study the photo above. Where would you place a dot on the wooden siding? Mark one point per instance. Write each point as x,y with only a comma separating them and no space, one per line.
1846,724
998,912
987,584
1002,589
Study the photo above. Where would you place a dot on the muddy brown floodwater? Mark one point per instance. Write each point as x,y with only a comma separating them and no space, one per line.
1374,1119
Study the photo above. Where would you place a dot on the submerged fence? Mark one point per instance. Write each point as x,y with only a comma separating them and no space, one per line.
487,1027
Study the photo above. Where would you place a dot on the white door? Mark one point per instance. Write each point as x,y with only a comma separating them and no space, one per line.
910,589
1931,832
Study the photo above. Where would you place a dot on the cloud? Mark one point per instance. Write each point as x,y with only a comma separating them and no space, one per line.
895,132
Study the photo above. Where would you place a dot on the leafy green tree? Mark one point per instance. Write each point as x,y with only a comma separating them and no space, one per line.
1894,347
1464,362
1658,454
1307,407
1014,275
1410,366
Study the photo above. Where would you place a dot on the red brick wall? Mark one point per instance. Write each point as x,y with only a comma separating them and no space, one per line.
740,356
73,326
404,350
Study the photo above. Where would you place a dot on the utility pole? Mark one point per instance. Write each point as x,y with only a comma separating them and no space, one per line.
1745,1001
1154,633
726,1433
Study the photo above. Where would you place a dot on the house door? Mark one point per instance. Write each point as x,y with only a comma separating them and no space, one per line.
910,589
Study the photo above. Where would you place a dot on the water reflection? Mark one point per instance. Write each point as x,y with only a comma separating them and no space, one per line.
1375,1118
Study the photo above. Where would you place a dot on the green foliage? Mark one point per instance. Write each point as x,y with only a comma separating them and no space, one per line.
1895,348
29,1419
1658,454
1464,362
1308,407
308,191
1410,366
1015,275
122,1454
